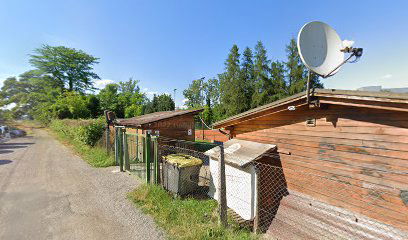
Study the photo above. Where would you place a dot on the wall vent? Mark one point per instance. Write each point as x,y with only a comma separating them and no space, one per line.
311,122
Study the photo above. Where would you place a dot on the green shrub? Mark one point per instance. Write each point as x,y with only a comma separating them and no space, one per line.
91,133
83,135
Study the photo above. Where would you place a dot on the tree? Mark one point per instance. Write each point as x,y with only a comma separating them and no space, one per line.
297,72
194,94
130,98
72,105
232,87
247,76
108,99
165,103
278,81
30,92
93,105
263,84
69,67
162,102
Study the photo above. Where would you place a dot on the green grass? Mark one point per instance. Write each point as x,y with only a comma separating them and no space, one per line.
185,218
95,156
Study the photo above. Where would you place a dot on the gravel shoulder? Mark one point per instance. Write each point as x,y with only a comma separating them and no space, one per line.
46,192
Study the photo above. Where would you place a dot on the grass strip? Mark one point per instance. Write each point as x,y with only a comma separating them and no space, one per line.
94,156
187,218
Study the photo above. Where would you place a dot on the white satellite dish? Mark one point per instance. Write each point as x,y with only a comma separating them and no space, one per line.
321,50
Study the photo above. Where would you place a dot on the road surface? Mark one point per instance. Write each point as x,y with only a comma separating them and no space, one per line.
46,192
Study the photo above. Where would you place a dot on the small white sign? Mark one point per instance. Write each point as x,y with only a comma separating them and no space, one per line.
190,132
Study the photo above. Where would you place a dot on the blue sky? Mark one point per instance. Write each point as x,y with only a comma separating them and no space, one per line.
167,44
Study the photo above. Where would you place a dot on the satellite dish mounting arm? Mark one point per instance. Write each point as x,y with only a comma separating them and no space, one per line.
355,52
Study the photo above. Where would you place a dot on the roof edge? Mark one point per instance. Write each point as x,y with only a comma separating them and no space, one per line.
349,94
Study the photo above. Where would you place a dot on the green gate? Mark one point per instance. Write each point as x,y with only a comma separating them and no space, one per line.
137,153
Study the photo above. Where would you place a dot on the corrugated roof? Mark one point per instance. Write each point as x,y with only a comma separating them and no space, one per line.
239,152
329,93
154,117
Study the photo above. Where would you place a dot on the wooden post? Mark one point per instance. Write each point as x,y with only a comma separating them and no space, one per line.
147,157
222,196
256,220
202,124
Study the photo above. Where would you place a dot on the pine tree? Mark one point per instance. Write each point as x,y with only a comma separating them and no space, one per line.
233,90
278,81
247,76
262,82
297,72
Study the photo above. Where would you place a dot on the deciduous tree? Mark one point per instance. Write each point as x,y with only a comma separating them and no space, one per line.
69,67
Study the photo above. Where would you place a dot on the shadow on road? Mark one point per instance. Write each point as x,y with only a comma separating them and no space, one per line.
8,147
2,162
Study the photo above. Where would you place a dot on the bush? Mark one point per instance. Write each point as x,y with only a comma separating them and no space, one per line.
82,136
91,133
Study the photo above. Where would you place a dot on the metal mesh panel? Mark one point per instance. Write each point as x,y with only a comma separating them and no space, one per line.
294,204
108,145
196,179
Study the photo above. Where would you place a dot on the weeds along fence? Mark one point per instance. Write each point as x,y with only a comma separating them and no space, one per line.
107,141
283,202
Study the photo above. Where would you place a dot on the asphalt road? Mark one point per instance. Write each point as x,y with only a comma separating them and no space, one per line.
46,192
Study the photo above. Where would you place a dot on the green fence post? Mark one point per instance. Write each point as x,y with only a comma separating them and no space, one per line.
147,157
156,172
137,147
126,151
120,138
116,147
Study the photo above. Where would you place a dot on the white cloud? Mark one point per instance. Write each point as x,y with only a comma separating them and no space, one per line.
102,83
387,76
348,43
184,100
152,92
149,93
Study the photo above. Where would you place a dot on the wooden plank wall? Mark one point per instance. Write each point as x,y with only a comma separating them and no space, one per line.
176,127
211,135
364,150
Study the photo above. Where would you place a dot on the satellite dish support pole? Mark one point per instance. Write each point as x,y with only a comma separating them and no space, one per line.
308,87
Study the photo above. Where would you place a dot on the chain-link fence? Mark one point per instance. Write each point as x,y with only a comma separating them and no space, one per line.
107,141
185,168
286,203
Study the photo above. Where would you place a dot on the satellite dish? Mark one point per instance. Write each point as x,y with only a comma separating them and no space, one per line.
322,50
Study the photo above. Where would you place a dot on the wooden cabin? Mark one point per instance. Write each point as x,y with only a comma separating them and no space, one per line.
178,124
342,160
